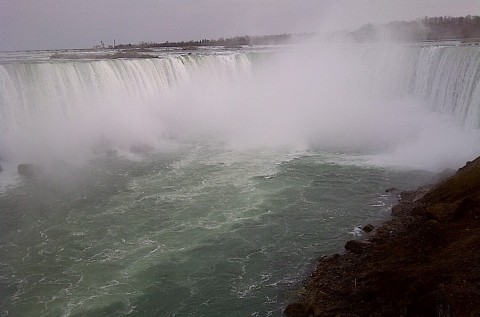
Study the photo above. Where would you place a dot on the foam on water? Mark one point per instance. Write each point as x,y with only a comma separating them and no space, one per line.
259,163
206,230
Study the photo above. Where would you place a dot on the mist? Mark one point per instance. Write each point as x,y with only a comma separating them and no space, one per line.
353,99
322,98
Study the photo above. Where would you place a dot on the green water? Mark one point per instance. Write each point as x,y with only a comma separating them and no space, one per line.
196,231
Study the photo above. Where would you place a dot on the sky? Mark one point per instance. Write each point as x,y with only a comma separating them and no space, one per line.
59,24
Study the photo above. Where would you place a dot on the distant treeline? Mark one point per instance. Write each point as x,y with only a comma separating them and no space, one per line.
424,29
227,42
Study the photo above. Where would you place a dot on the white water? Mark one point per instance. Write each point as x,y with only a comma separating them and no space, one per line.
263,162
60,109
406,105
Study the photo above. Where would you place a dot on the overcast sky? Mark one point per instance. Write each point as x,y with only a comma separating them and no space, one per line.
52,24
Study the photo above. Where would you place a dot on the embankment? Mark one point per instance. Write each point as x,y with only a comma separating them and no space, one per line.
424,262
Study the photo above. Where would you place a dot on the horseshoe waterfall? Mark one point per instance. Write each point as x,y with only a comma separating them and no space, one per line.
208,182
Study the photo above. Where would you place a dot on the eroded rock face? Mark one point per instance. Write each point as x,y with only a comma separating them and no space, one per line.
30,171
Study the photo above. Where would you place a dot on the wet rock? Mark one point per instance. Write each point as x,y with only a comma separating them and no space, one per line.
407,195
29,170
412,196
368,228
391,189
397,210
421,193
328,258
298,309
356,246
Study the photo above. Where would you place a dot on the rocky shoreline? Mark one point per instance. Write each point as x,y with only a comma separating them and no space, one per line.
423,262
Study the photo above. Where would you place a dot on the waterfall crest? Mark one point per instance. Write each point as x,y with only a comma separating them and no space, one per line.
63,107
447,78
45,106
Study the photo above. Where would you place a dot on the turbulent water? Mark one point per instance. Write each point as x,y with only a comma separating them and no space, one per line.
206,183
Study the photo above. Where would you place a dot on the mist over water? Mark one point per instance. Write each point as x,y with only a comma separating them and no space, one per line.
380,101
375,99
249,164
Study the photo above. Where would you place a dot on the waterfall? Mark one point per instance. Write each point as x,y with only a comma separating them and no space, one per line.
68,87
450,79
43,102
447,78
60,108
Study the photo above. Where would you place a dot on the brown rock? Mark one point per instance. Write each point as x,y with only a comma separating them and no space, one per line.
441,211
329,258
465,206
368,228
356,246
430,304
397,210
433,229
298,309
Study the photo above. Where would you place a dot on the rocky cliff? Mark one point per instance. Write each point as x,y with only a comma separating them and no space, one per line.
424,262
